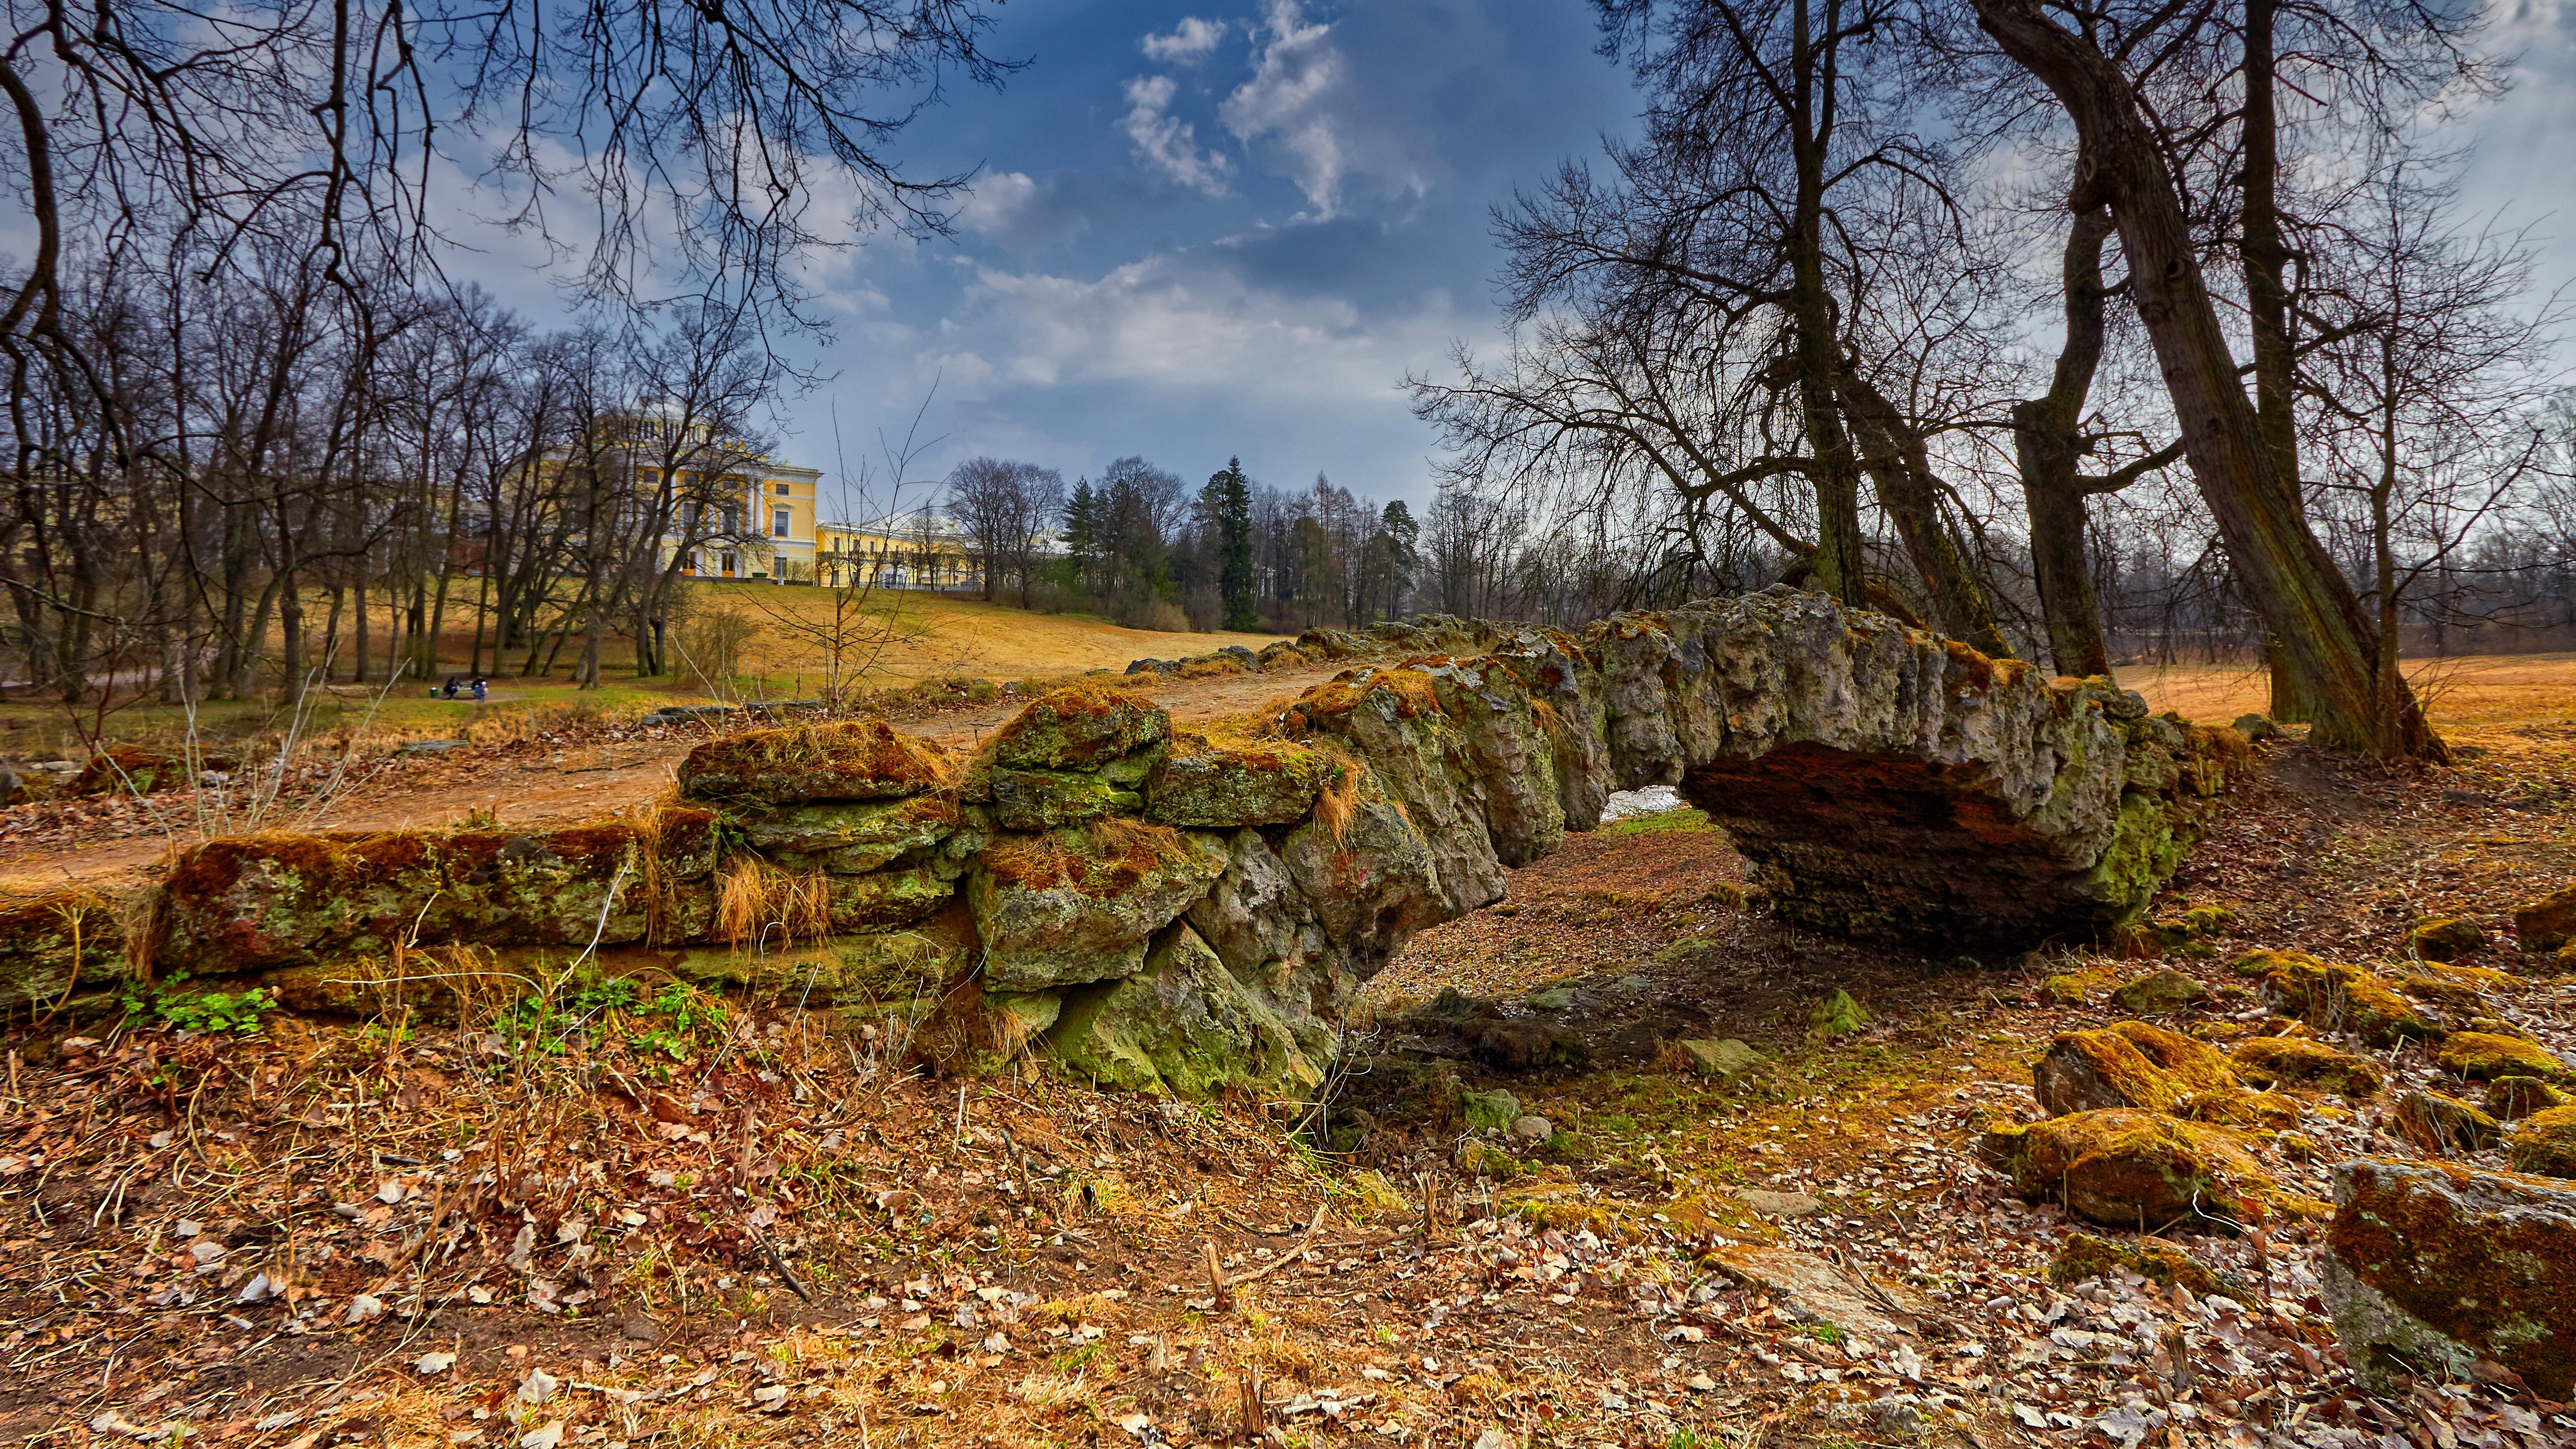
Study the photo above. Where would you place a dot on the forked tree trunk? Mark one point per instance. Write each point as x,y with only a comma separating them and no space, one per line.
2292,581
2048,447
1901,466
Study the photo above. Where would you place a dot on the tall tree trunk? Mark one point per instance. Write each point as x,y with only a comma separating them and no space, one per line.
2048,447
1901,466
1839,560
2291,579
2264,256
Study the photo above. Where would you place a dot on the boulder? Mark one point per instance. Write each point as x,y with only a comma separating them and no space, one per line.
2545,1142
1371,879
1078,905
1804,1288
1259,924
2332,996
2444,1126
2084,1256
2435,1266
1051,799
2446,938
2131,1169
1724,1060
2511,1098
1392,720
1180,1025
250,902
847,839
1774,1204
1237,783
1493,1111
906,967
2547,923
2481,1056
2138,1065
2275,1061
2159,993
856,760
1082,726
1836,1016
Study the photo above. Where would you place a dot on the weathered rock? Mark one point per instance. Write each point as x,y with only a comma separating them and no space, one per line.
1392,719
2132,1169
1079,727
2159,993
1259,924
2547,923
1724,1060
2444,1126
2084,1256
1181,1025
1493,1111
54,945
847,838
1371,880
2139,1065
1051,799
2483,1056
2270,1061
2446,938
1836,1017
2332,996
2545,1142
1235,783
1531,1131
2510,1098
1889,784
868,969
2257,727
1078,905
857,760
2435,1266
1807,1289
1773,1204
256,901
885,898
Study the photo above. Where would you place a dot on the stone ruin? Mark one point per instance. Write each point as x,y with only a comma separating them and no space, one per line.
1183,912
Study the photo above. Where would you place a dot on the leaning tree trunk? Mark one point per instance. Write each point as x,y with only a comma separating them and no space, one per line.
1901,466
2288,574
2048,447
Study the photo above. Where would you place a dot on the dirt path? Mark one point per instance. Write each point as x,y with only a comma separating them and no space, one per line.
582,781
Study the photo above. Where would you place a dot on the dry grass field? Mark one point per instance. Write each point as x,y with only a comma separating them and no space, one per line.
2469,694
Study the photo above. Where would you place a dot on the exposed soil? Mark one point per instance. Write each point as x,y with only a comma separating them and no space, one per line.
591,1221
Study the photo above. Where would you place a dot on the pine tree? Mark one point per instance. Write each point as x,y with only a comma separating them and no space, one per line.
1082,530
1404,555
1235,584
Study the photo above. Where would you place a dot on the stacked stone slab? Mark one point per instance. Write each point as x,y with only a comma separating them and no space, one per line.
1185,912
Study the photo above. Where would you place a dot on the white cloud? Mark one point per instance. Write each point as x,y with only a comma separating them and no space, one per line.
1303,107
1167,144
1169,321
1190,42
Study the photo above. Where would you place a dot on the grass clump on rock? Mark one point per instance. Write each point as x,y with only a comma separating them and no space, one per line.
857,760
2272,1061
2483,1056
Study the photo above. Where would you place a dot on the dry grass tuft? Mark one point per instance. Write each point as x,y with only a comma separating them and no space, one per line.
757,900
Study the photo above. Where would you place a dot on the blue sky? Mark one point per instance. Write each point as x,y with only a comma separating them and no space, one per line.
1204,230
1208,231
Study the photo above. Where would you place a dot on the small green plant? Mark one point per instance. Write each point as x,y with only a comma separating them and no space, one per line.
1824,1331
203,1011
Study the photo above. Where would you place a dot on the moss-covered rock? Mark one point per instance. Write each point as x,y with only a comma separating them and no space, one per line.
2547,923
2272,1061
1236,782
1836,1017
1368,874
2333,996
1260,924
1050,799
1078,905
2444,1126
141,770
2445,938
2140,1065
2084,1256
2072,988
55,945
2131,1169
2483,1056
2545,1142
1182,1025
2435,1266
1724,1059
849,838
1493,1111
855,760
255,901
2512,1098
1079,727
861,968
2159,993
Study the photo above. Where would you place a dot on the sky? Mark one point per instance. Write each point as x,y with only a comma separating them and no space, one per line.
1208,231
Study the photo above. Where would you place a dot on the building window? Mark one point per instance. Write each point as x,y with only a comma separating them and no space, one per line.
778,523
782,489
727,559
732,519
